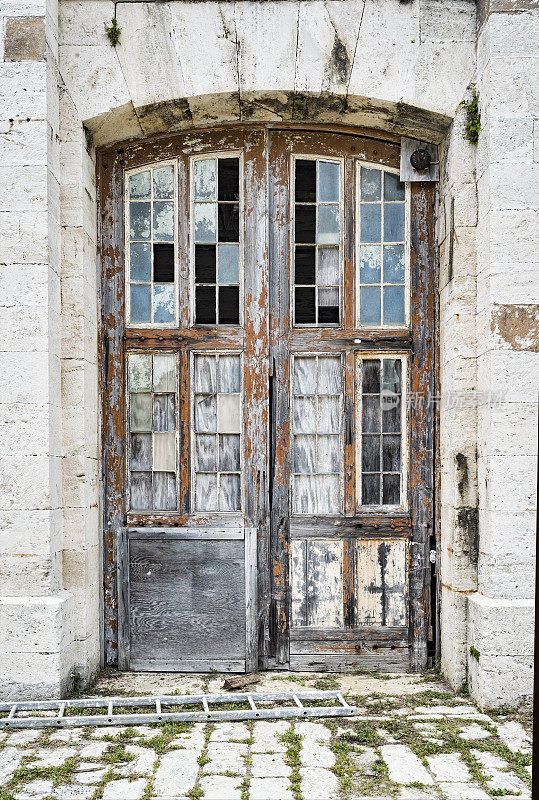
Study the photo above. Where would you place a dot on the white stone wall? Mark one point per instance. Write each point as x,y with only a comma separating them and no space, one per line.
402,67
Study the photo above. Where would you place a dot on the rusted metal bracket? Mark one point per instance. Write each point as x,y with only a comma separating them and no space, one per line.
419,161
170,708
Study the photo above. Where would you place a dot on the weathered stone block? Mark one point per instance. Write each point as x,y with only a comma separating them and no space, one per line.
24,39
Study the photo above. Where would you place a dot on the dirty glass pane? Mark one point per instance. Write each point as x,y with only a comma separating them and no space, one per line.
304,420
140,412
328,225
141,491
370,485
141,303
371,376
328,182
206,413
205,453
304,375
329,375
205,374
228,263
139,186
205,179
164,491
394,263
140,372
141,451
328,305
139,221
305,455
327,270
229,493
391,453
140,262
394,222
371,184
164,412
370,453
164,372
393,305
328,415
163,302
370,270
206,492
228,409
205,222
369,305
371,222
164,452
229,374
391,490
370,414
327,452
163,183
229,452
392,374
393,187
163,221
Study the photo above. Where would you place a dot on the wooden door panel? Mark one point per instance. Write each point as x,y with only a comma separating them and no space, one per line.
187,604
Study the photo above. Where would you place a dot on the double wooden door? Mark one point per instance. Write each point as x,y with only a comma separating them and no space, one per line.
267,362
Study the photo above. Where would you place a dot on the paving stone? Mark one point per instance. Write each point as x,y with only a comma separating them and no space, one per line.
54,757
411,793
404,766
68,735
34,789
220,787
176,773
142,763
74,792
145,731
462,791
448,767
318,784
230,732
514,736
124,789
90,773
474,732
10,758
93,750
383,734
365,760
274,788
225,756
191,740
99,733
266,736
314,754
313,731
23,737
266,765
500,781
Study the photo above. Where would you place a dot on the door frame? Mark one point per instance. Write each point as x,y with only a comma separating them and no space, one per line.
268,607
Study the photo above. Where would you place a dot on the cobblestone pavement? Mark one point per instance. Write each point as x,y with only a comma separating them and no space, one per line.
410,740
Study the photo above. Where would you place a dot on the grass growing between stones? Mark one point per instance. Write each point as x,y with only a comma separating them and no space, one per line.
26,773
293,740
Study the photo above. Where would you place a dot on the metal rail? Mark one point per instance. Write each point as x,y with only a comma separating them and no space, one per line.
70,713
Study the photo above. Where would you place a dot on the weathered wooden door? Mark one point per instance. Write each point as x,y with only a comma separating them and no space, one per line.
267,313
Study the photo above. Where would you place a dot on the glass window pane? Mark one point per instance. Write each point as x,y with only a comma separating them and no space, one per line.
371,223
328,458
205,452
328,225
205,222
140,262
305,224
305,305
369,305
304,415
370,383
394,222
229,374
229,222
327,494
163,263
229,493
370,414
370,453
305,455
305,182
370,490
370,264
163,302
140,372
391,453
305,265
206,413
141,451
392,373
371,184
328,182
229,305
304,376
141,491
163,221
139,186
229,452
205,261
139,221
327,270
205,180
394,263
163,183
329,375
228,263
228,408
140,412
164,372
228,179
164,412
391,490
206,492
164,491
328,305
141,303
393,188
328,414
164,452
393,305
205,374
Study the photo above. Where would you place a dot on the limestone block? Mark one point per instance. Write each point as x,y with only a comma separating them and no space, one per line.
124,789
225,756
510,482
510,375
83,23
404,766
27,482
147,54
501,627
510,140
317,782
28,531
442,72
457,318
24,143
507,533
112,126
509,83
266,35
216,787
204,69
453,22
24,188
465,207
176,774
449,767
508,576
507,428
24,237
453,635
94,78
326,45
270,765
24,38
459,549
276,788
